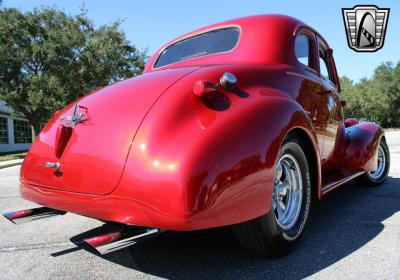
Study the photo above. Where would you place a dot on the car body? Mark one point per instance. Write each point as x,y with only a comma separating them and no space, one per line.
177,149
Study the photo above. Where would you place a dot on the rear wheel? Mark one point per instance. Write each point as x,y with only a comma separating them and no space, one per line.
379,176
276,233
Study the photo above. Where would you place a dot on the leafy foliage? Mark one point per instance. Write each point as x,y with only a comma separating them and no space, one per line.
49,58
376,99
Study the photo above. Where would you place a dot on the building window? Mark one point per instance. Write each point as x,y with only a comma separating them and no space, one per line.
3,130
22,132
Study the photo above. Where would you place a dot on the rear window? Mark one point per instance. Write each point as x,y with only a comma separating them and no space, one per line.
217,41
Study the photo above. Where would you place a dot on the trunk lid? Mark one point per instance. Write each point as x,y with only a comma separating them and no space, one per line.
92,154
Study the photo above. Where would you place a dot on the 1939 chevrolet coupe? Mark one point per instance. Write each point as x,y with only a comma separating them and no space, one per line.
239,123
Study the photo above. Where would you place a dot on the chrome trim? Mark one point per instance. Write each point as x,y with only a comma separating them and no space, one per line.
32,215
287,194
55,165
333,185
228,80
381,165
121,243
302,76
71,121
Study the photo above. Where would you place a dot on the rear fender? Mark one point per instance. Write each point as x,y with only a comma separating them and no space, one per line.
216,166
232,172
362,141
200,162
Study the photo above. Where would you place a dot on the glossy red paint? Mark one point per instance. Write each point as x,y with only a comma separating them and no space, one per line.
94,157
362,144
157,151
350,122
201,88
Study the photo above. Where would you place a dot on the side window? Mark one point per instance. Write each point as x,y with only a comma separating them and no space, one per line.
324,65
304,50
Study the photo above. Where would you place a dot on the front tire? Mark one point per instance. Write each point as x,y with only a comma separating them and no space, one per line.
278,232
379,176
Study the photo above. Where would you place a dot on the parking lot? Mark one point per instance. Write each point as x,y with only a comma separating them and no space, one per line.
354,233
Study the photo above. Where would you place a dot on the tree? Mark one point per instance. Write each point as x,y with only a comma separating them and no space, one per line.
49,58
376,99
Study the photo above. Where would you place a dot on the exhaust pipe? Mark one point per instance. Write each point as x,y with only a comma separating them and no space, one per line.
104,244
31,215
120,239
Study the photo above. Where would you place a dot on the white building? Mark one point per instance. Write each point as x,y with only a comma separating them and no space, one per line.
16,133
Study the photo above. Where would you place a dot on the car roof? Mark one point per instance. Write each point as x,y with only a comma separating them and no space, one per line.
264,39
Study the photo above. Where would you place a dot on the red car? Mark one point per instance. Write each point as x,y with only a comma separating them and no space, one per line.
239,123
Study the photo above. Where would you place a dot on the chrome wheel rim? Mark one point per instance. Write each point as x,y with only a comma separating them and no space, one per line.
288,192
380,165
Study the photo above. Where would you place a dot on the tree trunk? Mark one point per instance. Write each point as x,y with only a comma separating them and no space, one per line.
36,127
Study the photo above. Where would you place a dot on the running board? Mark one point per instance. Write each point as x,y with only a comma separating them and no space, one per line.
120,239
336,182
32,215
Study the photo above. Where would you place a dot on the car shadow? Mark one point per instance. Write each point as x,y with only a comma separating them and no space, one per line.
340,224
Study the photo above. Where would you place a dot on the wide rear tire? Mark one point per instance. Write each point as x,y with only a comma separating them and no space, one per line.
278,232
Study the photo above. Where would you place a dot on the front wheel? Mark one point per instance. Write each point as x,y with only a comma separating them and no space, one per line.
276,233
379,176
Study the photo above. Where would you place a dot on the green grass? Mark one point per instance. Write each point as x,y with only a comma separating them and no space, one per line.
11,156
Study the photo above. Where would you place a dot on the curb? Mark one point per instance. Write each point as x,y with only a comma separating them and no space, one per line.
10,164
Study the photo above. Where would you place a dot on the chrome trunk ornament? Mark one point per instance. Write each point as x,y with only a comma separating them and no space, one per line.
77,117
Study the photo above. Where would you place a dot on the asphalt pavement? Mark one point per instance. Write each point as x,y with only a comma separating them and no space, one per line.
353,233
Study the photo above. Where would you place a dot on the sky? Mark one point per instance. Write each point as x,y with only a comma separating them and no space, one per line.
150,24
